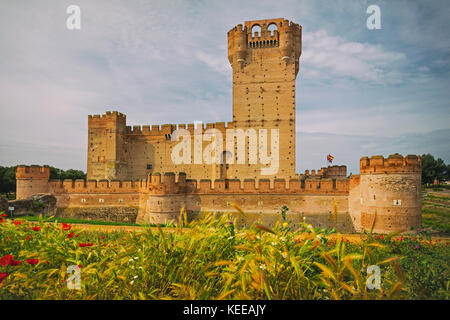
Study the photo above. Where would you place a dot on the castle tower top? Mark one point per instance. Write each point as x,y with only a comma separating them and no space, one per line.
32,172
286,37
395,163
109,116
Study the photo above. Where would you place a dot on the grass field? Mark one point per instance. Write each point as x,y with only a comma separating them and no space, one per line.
436,211
213,259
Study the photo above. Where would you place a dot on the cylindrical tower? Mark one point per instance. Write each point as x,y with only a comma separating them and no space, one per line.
390,193
162,201
237,45
286,43
31,180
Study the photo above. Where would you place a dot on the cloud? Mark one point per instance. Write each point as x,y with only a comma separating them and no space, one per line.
332,57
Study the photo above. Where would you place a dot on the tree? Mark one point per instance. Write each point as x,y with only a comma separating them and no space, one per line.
433,169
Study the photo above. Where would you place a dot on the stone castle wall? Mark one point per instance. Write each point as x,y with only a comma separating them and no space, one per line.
387,190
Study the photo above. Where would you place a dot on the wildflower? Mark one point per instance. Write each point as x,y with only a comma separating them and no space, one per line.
135,277
285,224
284,255
240,258
70,235
258,237
32,261
309,226
36,228
82,245
273,243
102,237
6,260
3,275
283,239
16,223
79,266
66,226
4,215
27,238
304,218
132,281
262,267
318,237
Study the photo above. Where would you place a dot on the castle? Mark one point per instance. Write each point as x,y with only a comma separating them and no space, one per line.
124,162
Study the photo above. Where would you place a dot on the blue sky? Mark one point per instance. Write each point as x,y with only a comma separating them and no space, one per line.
359,92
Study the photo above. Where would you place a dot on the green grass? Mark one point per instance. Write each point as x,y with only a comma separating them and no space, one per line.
82,221
436,212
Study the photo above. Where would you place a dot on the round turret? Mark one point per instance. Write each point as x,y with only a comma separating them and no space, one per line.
390,193
237,45
286,43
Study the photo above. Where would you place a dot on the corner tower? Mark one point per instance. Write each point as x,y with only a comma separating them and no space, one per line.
265,65
390,193
106,146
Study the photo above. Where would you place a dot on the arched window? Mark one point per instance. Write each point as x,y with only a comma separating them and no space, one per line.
272,27
256,31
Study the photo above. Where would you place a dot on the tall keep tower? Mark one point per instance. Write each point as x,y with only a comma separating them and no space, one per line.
106,147
265,65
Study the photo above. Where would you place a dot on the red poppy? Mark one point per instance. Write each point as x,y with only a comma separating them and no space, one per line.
66,226
70,235
85,245
77,235
6,260
4,215
3,275
102,237
17,222
27,238
36,228
79,266
32,261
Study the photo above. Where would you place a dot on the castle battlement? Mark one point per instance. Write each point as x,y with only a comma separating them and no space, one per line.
158,130
395,163
287,37
108,116
32,172
328,172
314,185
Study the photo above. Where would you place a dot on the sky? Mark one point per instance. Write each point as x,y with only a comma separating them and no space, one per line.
359,92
